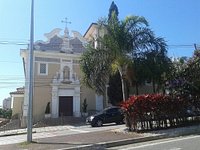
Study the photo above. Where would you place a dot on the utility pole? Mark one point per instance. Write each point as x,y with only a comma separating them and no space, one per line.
30,97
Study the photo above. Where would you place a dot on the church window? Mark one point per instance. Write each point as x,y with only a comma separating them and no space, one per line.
43,69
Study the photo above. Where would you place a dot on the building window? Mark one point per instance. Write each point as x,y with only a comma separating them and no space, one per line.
43,69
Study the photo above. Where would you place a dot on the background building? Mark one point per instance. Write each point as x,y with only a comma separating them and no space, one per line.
7,103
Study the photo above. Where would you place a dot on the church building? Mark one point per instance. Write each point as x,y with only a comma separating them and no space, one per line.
57,77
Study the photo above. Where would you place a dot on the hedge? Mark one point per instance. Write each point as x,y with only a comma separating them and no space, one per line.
155,111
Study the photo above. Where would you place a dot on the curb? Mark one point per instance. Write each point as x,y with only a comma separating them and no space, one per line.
17,133
132,141
116,143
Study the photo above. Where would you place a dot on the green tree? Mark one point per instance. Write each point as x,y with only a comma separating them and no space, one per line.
94,65
5,113
151,62
157,63
114,89
115,54
176,80
113,9
192,73
115,51
185,80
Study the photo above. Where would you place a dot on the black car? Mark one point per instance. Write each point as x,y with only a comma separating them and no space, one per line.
109,115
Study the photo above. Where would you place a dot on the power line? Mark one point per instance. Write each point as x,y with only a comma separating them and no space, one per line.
13,43
10,62
6,42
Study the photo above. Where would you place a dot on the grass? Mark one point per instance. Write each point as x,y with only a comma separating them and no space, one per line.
26,144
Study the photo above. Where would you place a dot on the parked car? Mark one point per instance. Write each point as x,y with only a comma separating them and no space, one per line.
112,114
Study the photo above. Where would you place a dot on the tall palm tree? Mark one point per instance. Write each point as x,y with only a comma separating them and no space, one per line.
115,53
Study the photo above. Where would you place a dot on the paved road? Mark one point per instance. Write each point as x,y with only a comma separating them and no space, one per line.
178,143
55,131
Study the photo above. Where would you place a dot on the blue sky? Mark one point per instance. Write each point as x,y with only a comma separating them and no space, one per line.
175,20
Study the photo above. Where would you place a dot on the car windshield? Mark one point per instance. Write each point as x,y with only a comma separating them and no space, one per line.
107,110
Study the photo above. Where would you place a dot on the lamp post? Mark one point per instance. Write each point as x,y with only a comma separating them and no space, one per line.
30,87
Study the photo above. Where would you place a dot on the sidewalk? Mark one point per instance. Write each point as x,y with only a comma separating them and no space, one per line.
90,140
35,130
99,139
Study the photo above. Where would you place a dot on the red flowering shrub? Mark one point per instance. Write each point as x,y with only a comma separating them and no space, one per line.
154,111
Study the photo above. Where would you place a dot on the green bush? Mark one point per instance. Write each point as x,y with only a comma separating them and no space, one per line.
6,113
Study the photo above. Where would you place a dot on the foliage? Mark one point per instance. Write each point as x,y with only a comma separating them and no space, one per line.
176,82
152,63
113,9
193,74
94,65
158,111
114,51
118,45
5,113
185,80
115,90
181,106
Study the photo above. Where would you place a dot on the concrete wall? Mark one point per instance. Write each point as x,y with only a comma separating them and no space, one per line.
90,96
17,105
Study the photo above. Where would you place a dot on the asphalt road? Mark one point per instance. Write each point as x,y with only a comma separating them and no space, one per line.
178,143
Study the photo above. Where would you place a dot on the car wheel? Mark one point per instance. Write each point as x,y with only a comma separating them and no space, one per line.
99,123
121,121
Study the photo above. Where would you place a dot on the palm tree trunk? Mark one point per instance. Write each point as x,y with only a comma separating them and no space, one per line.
123,88
122,71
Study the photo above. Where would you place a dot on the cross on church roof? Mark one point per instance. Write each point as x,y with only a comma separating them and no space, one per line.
66,22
